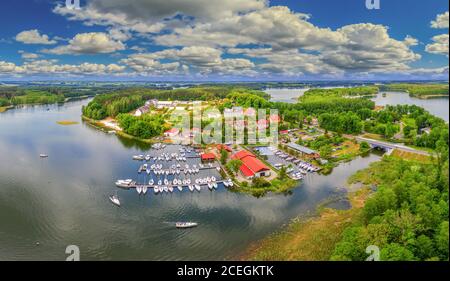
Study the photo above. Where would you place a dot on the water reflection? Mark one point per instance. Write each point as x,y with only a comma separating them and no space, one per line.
436,106
63,199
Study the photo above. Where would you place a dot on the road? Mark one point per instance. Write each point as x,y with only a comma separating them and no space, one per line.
391,145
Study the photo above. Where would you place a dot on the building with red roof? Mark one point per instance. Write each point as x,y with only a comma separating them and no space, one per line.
275,118
226,147
172,132
208,157
251,166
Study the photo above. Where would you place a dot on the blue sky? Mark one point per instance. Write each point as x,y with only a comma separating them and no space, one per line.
223,40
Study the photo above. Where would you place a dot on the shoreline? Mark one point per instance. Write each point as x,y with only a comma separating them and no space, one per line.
308,237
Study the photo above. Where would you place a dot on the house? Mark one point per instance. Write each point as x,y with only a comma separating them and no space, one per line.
250,112
225,147
274,118
284,132
304,150
142,110
251,166
262,124
172,132
208,157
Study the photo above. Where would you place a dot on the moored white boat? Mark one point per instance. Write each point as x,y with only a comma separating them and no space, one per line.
186,224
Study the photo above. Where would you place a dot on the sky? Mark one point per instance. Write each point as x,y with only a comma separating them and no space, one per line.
217,40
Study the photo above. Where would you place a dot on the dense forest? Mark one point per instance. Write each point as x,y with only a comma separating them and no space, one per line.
418,90
407,216
14,95
144,127
341,92
124,101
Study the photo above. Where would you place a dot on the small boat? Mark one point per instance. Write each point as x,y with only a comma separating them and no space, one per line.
156,190
166,189
180,188
139,189
170,188
115,200
144,189
191,188
210,186
198,187
43,155
186,224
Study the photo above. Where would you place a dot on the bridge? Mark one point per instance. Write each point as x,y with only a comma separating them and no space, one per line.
389,146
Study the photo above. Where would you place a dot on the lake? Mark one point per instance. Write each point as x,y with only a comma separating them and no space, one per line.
285,94
63,200
436,106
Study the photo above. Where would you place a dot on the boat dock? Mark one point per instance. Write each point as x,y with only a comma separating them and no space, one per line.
136,185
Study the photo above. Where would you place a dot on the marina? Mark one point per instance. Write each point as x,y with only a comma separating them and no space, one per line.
64,206
174,168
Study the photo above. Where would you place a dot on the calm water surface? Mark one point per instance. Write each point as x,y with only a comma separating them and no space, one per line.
63,200
285,94
436,106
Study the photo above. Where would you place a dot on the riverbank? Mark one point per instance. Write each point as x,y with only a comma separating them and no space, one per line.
107,129
426,97
5,108
309,239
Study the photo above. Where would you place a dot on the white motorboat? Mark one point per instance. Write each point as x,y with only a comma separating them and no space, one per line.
115,200
156,190
180,188
144,189
186,224
139,189
170,188
198,187
166,189
210,186
191,188
43,155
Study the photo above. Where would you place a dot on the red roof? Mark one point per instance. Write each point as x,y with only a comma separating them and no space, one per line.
274,118
284,132
246,171
222,146
241,154
250,164
172,131
208,156
254,164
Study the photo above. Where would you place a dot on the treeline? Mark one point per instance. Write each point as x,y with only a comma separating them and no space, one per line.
342,92
124,101
43,95
418,90
144,127
36,97
406,218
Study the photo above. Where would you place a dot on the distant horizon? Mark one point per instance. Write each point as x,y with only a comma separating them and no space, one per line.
215,40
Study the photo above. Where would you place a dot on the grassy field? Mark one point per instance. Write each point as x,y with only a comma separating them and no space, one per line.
410,156
310,239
